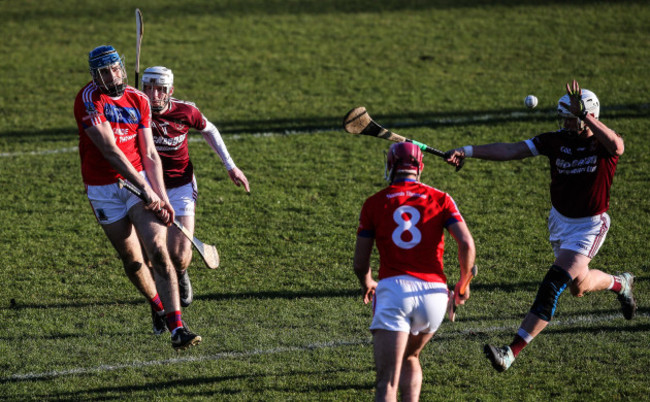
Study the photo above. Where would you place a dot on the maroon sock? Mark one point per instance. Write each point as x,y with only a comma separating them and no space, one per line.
174,320
618,284
517,345
156,304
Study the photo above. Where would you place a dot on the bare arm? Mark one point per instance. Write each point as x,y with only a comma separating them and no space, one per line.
153,167
498,151
466,253
605,135
152,163
362,270
102,136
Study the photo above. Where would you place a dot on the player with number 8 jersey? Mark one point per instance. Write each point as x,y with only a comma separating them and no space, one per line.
407,220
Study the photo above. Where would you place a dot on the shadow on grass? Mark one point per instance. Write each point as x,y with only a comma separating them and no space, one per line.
571,316
280,294
530,286
186,387
404,120
235,8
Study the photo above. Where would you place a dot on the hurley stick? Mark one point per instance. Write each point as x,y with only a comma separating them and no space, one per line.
358,121
208,252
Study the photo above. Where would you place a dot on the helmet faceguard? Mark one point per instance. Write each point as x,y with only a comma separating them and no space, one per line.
158,84
591,103
107,69
403,157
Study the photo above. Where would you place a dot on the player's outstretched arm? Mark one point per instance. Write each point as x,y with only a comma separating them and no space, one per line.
212,136
499,151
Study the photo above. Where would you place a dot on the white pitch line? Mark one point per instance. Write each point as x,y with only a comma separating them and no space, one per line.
315,346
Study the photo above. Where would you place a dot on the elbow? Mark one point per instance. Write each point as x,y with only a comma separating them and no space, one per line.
467,246
619,149
360,267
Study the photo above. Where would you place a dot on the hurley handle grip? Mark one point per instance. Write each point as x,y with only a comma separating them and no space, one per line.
141,194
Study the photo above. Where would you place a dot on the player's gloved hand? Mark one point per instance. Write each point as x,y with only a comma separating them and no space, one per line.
238,177
455,157
577,106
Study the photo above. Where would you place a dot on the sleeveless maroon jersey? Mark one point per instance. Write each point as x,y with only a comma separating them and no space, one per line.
170,131
582,171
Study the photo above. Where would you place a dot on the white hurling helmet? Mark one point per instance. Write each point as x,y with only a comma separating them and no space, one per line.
592,105
161,77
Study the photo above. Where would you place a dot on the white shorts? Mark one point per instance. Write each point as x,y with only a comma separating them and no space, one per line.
407,304
183,198
582,235
111,203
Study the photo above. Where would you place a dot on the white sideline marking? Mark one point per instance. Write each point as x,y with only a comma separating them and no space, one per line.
256,352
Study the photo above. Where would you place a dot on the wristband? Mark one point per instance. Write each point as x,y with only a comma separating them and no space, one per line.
469,151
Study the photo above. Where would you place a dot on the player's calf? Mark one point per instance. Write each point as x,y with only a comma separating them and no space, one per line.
553,284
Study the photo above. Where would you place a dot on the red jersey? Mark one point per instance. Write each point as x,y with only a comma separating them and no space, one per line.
407,220
170,136
126,115
582,171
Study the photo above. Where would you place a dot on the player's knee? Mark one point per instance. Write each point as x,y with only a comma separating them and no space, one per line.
132,267
181,260
554,283
577,288
161,262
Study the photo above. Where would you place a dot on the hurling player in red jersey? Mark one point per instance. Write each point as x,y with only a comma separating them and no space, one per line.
583,155
172,121
407,220
115,141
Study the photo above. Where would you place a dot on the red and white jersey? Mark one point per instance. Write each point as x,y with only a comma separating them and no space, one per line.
126,115
170,136
407,220
582,171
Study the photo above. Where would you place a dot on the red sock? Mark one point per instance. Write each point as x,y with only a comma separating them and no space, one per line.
517,345
617,285
174,320
156,304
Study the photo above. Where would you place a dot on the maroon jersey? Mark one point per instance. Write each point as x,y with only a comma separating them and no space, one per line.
170,136
126,115
407,220
582,171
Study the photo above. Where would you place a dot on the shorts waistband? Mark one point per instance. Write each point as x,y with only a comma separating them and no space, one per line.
412,279
595,218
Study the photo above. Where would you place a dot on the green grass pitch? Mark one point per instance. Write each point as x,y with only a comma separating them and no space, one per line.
282,318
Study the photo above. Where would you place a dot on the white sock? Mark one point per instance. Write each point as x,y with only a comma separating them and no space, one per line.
524,335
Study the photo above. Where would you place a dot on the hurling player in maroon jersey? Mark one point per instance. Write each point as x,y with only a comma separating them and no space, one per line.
406,221
583,155
172,121
115,142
